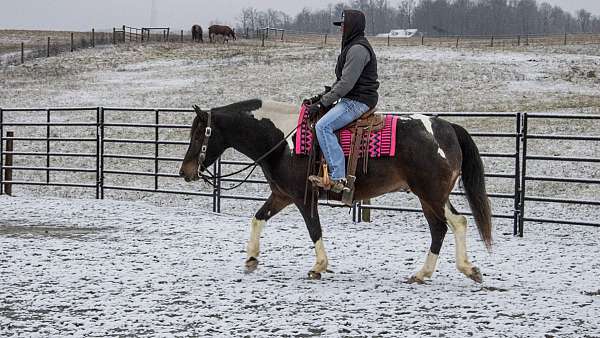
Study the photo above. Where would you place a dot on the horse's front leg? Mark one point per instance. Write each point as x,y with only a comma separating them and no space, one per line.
314,229
273,205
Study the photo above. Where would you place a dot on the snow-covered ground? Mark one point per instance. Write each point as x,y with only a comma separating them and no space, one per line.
165,265
96,268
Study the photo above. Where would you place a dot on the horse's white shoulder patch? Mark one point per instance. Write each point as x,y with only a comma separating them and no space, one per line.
283,115
426,120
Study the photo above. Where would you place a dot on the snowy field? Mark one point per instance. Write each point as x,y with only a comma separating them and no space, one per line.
96,268
163,265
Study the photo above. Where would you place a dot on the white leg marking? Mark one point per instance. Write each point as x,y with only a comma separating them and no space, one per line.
256,228
458,224
428,268
321,264
441,152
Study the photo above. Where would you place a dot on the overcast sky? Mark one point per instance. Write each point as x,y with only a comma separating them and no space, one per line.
105,14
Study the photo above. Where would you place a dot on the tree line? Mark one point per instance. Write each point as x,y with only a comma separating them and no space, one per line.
433,17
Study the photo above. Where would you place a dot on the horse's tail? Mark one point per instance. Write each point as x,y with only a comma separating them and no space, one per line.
474,184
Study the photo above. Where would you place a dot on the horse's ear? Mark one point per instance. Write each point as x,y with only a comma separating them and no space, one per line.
201,113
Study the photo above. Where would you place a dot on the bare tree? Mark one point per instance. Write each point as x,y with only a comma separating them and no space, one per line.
583,19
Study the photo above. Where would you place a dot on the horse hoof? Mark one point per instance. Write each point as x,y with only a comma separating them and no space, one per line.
314,275
415,279
476,275
251,264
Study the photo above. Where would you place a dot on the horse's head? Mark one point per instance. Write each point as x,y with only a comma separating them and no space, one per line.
206,145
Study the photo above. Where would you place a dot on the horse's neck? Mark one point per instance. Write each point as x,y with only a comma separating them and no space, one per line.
254,138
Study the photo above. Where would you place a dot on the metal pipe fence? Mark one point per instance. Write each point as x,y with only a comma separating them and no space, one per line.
109,144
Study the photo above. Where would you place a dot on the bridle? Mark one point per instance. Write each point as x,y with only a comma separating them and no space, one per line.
211,177
204,148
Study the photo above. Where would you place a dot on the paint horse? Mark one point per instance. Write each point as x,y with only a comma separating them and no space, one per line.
430,155
225,31
197,33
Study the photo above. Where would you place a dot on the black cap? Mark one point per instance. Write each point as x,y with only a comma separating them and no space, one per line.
339,23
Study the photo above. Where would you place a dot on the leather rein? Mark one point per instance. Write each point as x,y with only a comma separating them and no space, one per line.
211,177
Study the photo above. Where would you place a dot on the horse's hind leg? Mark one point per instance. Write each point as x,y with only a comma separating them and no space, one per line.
458,223
273,205
438,228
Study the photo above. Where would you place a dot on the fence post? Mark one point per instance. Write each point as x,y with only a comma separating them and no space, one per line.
565,38
282,32
517,203
22,53
325,43
114,33
48,146
523,175
492,43
518,40
9,163
457,38
124,34
71,42
93,38
365,214
156,149
263,39
1,152
422,40
182,35
101,137
48,48
388,40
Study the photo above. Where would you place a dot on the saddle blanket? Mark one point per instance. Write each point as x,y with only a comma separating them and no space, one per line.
381,143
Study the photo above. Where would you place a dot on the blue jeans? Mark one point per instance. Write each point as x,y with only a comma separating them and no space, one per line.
339,116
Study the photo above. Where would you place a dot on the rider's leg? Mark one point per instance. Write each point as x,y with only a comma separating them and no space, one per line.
339,116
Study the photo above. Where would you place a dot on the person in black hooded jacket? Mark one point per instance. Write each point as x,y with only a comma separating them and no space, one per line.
355,91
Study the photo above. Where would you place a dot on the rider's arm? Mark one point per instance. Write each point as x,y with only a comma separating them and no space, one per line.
357,58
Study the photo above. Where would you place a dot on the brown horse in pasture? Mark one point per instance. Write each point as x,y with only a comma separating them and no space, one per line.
225,31
431,154
197,33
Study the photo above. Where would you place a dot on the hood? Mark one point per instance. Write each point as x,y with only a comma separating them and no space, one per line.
354,25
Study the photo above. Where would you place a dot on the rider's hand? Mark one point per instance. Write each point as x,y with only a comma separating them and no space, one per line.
314,109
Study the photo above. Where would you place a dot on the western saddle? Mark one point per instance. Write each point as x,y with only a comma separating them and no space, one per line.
361,129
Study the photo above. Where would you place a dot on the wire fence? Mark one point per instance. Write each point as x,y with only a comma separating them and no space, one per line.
102,150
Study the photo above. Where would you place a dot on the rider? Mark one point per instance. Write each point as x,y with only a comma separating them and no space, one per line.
355,88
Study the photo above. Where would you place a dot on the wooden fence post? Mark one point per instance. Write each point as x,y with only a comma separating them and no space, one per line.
182,35
457,37
388,40
114,33
263,39
565,38
518,40
325,43
93,38
422,40
365,214
282,32
22,53
9,163
48,48
71,42
124,34
492,43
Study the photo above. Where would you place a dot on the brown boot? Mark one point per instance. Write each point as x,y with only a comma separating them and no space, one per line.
328,184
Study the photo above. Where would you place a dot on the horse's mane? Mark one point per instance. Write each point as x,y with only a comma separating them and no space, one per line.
242,106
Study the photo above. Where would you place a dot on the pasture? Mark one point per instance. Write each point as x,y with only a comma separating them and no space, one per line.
155,264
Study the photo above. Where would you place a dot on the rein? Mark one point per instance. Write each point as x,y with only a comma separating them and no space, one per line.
253,165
